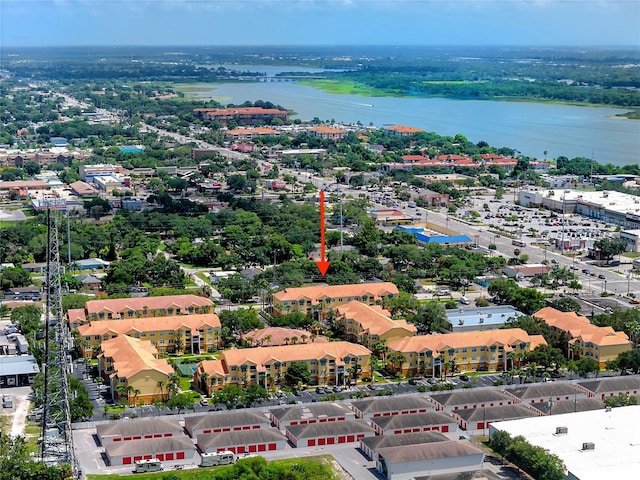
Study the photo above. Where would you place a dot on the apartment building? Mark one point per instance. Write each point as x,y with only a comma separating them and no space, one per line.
327,133
241,115
140,307
318,300
197,333
133,369
600,343
481,350
368,324
332,363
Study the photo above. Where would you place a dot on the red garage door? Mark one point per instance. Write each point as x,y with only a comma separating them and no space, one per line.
272,446
240,449
445,428
137,459
351,438
311,442
148,457
252,448
331,441
180,456
168,456
262,447
126,461
160,456
342,439
231,449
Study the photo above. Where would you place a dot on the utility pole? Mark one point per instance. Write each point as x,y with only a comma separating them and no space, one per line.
57,439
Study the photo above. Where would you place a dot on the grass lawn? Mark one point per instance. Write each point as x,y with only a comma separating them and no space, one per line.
185,384
202,276
319,468
631,254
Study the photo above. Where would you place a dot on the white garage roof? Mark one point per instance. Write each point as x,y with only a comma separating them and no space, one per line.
614,434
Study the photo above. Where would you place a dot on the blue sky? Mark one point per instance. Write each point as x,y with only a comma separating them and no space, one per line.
319,22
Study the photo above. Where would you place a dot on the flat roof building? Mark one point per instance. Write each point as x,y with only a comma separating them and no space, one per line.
487,318
594,445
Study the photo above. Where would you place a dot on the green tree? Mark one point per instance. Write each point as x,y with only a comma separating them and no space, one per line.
181,402
584,366
429,318
230,396
610,247
298,372
13,277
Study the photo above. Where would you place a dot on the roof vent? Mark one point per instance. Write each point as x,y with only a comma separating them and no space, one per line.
490,315
607,408
588,446
562,430
481,320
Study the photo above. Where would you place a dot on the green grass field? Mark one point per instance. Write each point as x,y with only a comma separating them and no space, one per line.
315,468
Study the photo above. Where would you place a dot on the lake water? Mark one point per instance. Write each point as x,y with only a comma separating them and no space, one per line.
530,128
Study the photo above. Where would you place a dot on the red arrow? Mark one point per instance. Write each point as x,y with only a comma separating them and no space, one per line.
323,265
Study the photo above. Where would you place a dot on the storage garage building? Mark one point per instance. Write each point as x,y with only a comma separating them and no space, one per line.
406,462
311,413
125,431
225,422
329,433
545,392
370,445
413,423
611,387
387,406
481,418
470,399
251,441
164,449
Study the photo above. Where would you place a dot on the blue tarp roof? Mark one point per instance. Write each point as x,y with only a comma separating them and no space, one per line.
422,237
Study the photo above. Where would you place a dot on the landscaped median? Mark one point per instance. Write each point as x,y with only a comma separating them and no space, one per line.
317,468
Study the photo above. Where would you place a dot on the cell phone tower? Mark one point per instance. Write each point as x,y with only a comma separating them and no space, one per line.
57,440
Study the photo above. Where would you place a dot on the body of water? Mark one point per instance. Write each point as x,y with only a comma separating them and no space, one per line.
530,128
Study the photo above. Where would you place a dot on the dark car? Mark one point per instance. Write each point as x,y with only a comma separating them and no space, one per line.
464,378
320,390
337,389
296,392
601,276
413,381
371,387
586,270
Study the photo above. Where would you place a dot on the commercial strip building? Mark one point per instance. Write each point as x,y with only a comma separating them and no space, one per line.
368,324
271,336
139,307
472,351
593,445
599,343
318,300
16,371
331,363
195,333
609,206
134,366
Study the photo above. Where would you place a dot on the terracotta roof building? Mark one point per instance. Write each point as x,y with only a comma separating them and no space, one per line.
471,351
140,307
242,115
328,363
320,299
329,133
195,333
251,133
599,343
368,324
133,365
403,130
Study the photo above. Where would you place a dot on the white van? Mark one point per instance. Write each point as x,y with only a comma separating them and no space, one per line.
151,465
464,300
219,458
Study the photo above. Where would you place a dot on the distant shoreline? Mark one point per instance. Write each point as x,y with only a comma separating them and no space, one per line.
191,90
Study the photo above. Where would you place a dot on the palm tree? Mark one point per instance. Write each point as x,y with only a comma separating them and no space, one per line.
160,386
267,339
135,392
294,340
303,338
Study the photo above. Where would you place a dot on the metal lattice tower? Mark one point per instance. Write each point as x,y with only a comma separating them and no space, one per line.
57,440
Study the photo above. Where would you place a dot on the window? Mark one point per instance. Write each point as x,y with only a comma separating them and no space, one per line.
162,334
152,334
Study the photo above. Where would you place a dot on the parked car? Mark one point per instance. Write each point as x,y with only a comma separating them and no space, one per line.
464,378
337,389
371,387
601,276
586,271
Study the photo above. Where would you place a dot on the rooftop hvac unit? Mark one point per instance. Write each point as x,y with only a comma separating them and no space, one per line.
489,315
461,322
588,446
481,320
561,430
